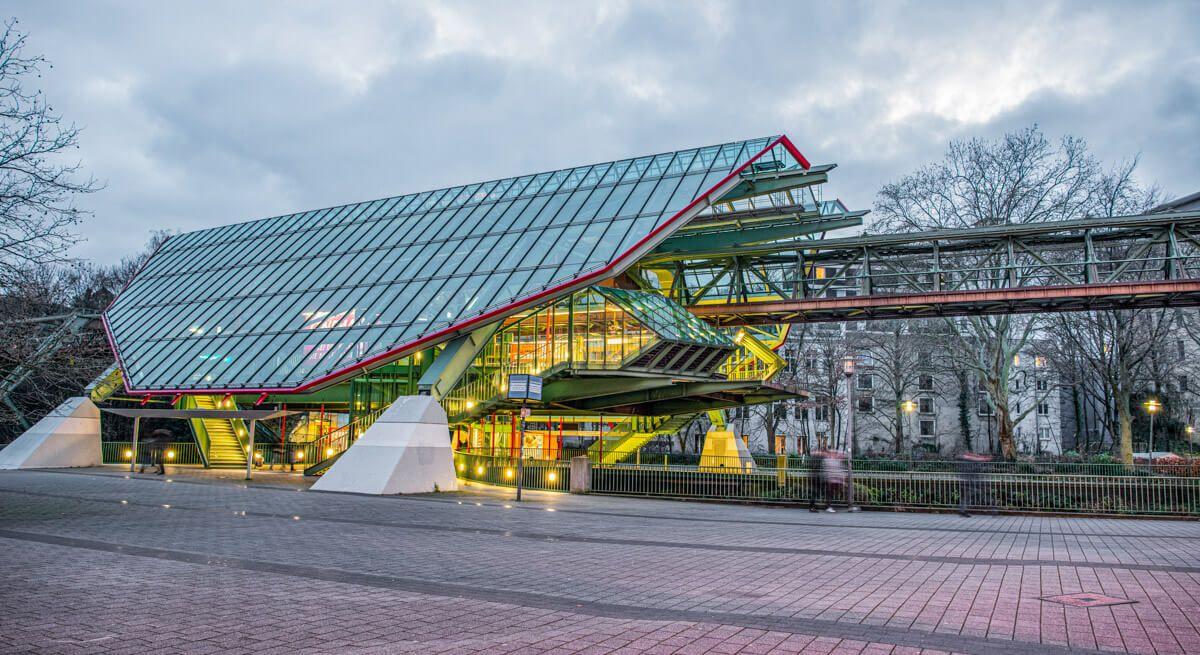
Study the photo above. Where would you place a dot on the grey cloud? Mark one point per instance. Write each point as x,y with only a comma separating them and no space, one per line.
198,114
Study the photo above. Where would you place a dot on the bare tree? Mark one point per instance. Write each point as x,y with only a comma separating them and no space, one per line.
1022,178
893,374
37,184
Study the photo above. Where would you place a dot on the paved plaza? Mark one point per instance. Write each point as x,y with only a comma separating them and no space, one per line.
98,562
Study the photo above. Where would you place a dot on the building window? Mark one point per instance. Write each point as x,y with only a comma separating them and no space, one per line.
984,408
1183,383
1044,435
925,382
866,381
1179,345
925,405
821,412
1039,361
1041,385
1043,409
927,427
866,404
803,413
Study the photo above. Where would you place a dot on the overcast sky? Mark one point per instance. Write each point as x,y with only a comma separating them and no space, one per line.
197,114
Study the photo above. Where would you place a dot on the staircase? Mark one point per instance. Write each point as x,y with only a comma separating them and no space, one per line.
623,442
224,448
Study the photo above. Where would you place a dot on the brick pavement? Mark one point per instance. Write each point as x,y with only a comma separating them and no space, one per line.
98,562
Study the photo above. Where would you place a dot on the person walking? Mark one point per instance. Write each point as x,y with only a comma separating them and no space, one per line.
816,480
835,478
156,452
970,481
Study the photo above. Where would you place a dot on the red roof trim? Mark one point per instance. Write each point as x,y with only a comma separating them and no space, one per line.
412,346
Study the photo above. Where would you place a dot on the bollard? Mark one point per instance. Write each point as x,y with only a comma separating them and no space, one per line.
581,475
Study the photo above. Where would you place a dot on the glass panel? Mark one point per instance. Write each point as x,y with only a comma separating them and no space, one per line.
226,307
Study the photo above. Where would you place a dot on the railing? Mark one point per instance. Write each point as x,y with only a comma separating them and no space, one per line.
548,475
334,442
940,485
120,452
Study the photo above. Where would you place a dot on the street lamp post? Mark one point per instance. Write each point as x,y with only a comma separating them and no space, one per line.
1152,406
848,370
908,407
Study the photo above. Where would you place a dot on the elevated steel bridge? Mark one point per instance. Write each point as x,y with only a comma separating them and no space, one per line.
1150,260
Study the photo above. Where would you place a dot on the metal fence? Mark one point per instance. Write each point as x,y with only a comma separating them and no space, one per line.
121,452
1126,491
549,475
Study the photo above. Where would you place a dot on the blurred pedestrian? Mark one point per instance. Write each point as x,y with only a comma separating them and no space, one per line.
156,451
816,480
835,478
970,481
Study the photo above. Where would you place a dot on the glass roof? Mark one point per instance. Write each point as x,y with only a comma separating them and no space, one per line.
667,319
290,301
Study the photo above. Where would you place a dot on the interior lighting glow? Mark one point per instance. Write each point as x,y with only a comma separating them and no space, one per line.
128,454
462,467
508,473
170,454
329,452
479,470
299,455
551,476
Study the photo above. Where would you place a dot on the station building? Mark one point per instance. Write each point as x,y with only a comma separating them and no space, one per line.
581,276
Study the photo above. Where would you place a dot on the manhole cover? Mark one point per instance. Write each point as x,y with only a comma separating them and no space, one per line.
1087,600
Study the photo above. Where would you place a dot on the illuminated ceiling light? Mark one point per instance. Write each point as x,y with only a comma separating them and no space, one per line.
470,404
551,476
128,454
508,473
329,452
479,470
299,455
170,454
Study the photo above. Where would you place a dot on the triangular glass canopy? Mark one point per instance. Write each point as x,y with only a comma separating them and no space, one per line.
299,301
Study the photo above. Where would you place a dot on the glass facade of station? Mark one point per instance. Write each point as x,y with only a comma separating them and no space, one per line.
596,329
285,301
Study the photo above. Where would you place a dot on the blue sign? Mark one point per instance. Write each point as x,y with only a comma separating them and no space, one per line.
524,387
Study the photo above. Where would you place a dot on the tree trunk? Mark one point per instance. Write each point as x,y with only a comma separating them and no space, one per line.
1004,433
898,440
964,411
1125,427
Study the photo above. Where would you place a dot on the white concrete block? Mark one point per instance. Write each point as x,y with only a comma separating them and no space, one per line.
68,436
405,451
